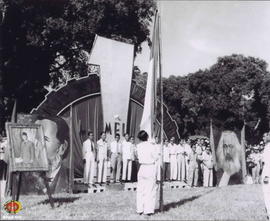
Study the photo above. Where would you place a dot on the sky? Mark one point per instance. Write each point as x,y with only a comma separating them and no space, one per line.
196,33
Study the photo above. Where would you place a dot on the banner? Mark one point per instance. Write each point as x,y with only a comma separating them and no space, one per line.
116,62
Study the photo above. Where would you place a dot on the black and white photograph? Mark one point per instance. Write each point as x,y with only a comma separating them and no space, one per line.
27,147
134,110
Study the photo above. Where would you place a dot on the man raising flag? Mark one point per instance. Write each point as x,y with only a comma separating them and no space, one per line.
150,111
150,100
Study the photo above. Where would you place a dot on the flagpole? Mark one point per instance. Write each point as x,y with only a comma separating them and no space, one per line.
161,116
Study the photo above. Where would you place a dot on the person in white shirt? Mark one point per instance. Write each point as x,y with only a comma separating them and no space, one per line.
187,151
166,160
193,168
146,186
102,156
127,161
89,159
116,158
266,172
181,164
207,163
173,159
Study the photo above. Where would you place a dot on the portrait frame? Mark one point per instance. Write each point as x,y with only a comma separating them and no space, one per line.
27,147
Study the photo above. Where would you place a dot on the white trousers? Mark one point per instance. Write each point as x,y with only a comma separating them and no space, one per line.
193,175
127,167
158,169
116,166
102,171
207,177
89,170
181,167
2,188
146,189
173,160
266,194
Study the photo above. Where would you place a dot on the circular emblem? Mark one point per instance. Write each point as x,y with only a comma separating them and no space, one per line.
13,206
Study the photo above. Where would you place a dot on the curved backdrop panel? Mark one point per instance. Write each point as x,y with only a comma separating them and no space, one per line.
79,103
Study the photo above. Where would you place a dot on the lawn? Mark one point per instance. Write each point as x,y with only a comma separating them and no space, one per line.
238,202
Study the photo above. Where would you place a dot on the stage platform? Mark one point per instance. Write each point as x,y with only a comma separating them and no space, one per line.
80,187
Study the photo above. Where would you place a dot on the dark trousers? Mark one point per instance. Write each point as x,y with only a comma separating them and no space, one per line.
167,171
134,171
3,170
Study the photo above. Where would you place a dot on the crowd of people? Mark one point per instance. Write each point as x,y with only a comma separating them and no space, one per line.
185,161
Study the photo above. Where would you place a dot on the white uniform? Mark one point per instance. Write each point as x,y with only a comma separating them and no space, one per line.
89,157
208,169
116,159
193,169
266,173
187,150
146,186
127,160
173,160
181,164
102,148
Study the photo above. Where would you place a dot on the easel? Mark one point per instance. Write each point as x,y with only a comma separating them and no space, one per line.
16,185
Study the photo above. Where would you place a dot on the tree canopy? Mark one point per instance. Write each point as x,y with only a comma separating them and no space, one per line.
43,41
46,42
235,89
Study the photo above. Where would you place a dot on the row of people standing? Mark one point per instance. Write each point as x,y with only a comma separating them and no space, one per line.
181,162
120,154
186,160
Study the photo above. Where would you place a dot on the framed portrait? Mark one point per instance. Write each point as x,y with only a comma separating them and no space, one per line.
27,147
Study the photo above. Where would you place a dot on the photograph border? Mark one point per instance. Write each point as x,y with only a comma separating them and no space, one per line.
13,167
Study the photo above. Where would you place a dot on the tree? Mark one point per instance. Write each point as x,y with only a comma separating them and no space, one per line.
235,88
45,40
2,101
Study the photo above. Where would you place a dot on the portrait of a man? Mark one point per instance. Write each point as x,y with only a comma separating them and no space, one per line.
27,145
56,136
27,150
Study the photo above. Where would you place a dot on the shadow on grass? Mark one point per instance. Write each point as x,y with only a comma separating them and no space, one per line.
60,200
172,205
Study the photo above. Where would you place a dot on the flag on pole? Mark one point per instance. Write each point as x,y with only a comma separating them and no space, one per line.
212,145
150,100
243,142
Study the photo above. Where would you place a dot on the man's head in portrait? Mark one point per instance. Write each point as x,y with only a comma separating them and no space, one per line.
56,136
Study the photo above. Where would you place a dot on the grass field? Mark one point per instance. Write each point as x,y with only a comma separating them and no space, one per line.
238,202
